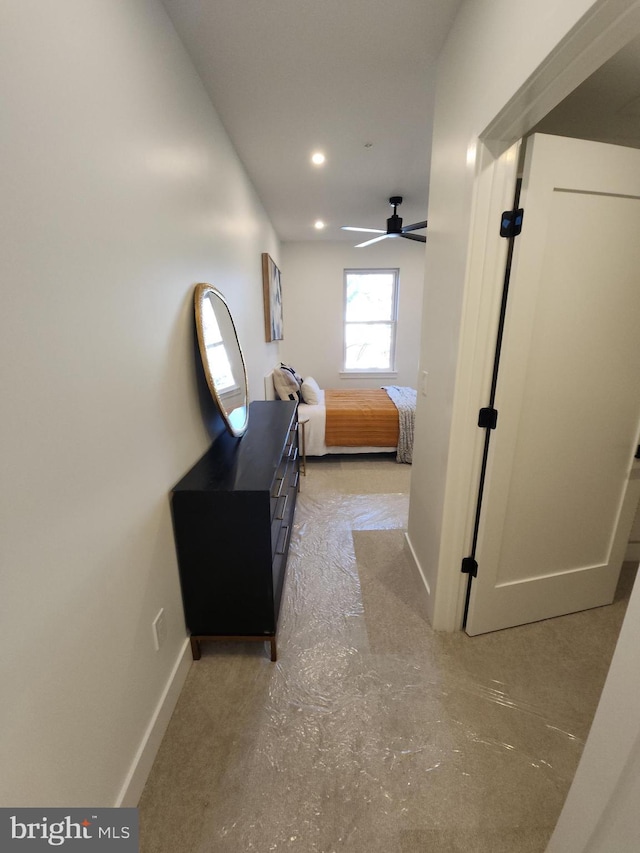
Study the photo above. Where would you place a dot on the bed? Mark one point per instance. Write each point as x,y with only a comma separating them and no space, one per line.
376,420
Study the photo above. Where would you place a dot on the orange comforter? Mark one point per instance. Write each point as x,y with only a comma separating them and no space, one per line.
360,418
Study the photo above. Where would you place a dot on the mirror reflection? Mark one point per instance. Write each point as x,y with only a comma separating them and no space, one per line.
222,357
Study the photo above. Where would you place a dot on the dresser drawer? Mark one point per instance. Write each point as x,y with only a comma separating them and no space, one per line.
232,517
279,564
286,477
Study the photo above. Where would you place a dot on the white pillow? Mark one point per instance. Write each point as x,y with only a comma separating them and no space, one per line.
285,384
296,375
310,391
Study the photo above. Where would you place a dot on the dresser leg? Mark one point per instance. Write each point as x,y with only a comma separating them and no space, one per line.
195,649
274,651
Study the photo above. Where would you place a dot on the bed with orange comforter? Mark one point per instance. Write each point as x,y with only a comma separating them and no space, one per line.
372,420
360,418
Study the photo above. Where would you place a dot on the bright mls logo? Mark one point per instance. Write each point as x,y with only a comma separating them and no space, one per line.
72,829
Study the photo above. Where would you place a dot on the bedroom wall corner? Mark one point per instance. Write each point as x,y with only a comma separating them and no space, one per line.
313,287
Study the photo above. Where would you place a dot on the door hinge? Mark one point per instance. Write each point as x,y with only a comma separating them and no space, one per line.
511,222
469,567
488,418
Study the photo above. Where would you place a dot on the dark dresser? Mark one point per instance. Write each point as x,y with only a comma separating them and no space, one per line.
232,517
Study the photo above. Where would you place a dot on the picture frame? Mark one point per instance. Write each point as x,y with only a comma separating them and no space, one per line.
272,293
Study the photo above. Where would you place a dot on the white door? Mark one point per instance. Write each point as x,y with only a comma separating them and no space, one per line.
561,492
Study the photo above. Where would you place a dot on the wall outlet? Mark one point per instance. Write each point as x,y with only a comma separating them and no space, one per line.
423,383
159,630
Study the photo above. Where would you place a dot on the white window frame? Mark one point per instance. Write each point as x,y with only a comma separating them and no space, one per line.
372,371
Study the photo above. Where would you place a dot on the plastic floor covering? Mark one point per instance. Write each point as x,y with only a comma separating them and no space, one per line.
372,732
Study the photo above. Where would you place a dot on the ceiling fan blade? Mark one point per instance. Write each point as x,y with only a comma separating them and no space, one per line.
419,237
375,240
415,226
368,230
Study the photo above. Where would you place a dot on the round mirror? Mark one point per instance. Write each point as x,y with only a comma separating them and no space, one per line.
222,357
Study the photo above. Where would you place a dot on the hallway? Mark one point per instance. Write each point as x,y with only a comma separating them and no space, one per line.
372,732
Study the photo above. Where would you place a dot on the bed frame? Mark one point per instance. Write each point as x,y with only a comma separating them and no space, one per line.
314,428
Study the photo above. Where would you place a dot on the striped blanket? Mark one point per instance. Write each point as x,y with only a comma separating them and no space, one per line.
405,401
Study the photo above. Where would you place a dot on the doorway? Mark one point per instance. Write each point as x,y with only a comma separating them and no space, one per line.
558,500
496,177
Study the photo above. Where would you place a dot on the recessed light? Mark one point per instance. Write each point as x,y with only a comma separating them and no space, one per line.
319,224
318,158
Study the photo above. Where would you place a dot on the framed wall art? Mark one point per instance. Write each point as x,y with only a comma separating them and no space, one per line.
272,293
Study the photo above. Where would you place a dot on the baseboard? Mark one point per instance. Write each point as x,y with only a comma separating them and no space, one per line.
417,564
632,554
148,749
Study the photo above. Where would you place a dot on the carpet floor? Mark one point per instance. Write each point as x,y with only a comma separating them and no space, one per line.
372,733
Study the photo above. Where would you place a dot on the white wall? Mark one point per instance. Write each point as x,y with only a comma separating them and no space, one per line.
488,36
633,546
600,814
120,191
313,293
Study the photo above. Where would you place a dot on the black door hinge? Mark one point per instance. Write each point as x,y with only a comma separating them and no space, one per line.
488,418
511,222
469,567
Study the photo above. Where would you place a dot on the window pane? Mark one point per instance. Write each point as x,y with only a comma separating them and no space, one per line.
216,352
210,323
220,367
368,346
369,296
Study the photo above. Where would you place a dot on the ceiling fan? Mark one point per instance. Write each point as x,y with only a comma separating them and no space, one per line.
394,227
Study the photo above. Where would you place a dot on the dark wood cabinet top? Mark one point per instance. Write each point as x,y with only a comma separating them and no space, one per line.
247,463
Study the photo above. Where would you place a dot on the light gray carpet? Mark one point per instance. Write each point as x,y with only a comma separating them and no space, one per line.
372,732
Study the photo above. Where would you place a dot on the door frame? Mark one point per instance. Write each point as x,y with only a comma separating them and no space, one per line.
602,32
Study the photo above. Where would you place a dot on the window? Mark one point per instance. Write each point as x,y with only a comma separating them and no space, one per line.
370,316
217,357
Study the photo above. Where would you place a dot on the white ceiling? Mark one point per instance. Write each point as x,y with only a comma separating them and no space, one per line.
354,78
